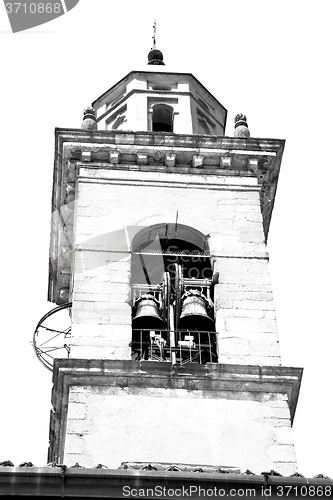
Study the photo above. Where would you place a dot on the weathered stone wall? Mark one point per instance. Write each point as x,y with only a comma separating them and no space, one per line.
227,208
113,424
245,315
101,317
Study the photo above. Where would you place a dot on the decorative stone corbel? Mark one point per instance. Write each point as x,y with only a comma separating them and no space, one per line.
197,161
141,159
225,162
86,155
252,164
114,157
170,160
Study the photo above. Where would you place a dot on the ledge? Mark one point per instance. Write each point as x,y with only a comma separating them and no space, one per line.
215,378
216,381
169,138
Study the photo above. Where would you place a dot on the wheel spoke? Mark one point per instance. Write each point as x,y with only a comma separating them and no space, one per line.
53,329
48,340
44,351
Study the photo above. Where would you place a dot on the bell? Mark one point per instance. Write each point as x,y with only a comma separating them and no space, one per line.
194,313
147,317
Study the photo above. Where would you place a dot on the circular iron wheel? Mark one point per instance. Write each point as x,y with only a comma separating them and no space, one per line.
50,342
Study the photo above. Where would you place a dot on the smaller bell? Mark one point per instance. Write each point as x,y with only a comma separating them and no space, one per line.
147,316
194,312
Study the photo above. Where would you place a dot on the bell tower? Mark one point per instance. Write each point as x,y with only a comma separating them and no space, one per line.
158,252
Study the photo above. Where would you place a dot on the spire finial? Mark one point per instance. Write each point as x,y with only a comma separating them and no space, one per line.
155,56
154,36
89,119
241,127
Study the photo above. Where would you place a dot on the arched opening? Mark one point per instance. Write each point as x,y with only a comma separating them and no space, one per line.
164,245
172,295
162,119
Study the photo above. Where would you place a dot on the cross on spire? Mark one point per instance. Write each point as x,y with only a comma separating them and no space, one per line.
155,56
154,36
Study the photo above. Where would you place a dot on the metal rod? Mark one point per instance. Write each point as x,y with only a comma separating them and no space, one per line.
172,334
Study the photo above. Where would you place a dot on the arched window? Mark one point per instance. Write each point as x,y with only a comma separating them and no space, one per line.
172,295
162,119
162,243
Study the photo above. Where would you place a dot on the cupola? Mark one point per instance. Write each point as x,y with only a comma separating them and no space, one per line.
160,101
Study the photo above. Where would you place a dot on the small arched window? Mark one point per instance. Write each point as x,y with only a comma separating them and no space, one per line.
162,119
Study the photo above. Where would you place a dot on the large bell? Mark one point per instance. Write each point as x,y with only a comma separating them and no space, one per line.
194,312
147,316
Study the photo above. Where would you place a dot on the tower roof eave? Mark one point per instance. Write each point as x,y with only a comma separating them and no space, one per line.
161,70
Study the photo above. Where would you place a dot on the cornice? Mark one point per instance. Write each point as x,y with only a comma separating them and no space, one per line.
155,73
193,155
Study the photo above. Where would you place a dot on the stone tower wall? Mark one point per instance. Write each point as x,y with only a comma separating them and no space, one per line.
225,207
109,408
222,415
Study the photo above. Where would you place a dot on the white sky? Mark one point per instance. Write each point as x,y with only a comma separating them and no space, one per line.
269,59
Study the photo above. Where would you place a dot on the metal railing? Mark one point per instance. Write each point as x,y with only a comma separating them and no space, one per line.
175,346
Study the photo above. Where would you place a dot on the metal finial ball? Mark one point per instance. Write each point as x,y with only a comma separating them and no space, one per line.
155,57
